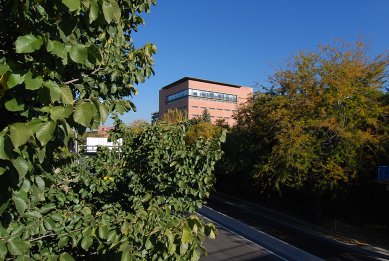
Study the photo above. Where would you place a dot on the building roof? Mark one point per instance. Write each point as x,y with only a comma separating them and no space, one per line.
199,80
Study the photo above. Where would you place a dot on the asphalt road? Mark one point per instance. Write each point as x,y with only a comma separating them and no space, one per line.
288,231
228,246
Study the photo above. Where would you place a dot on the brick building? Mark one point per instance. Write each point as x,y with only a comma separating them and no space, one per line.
193,95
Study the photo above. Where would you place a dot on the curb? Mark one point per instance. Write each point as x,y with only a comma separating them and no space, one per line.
273,244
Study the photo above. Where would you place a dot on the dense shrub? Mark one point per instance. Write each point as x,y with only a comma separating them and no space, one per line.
135,203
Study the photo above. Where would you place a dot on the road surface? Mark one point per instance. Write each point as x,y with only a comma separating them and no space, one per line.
288,230
228,246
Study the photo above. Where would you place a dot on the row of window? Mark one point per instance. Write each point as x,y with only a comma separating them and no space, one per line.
202,94
219,117
210,108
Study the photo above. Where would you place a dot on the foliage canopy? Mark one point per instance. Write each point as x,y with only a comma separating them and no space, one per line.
321,125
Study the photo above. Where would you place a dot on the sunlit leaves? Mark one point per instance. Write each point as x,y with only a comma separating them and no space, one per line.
66,257
73,5
66,95
20,133
79,53
111,11
321,111
83,113
32,83
14,79
58,49
20,198
94,11
16,246
28,43
47,95
3,249
15,104
45,132
21,165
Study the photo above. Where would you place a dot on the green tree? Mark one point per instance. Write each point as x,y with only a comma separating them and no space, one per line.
64,65
205,116
321,126
174,116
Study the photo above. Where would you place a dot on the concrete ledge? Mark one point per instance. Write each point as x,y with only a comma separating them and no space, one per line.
273,244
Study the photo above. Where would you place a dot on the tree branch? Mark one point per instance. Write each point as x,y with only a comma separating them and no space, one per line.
77,79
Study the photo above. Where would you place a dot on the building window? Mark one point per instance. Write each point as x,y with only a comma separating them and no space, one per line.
195,106
223,97
177,96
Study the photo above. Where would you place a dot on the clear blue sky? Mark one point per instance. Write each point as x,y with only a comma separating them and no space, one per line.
244,41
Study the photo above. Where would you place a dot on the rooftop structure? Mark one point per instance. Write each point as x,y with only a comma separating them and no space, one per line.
193,96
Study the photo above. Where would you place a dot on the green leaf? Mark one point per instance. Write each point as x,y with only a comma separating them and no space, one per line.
14,79
210,231
111,11
34,124
16,104
49,223
26,185
94,11
28,43
40,183
66,95
79,53
23,258
148,244
34,214
47,208
103,232
186,234
103,112
20,133
21,166
127,255
54,90
94,54
83,113
4,68
32,83
86,242
20,204
60,112
58,49
3,249
45,132
16,246
195,255
66,257
5,148
63,241
73,5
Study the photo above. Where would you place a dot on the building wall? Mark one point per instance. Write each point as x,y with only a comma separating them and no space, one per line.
194,106
163,93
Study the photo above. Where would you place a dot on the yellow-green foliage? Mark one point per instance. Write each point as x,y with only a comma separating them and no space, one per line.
204,130
174,116
138,125
322,123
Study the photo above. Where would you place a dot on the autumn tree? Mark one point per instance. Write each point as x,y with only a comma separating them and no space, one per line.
321,123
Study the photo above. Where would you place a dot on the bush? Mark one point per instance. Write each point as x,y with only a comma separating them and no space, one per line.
136,203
